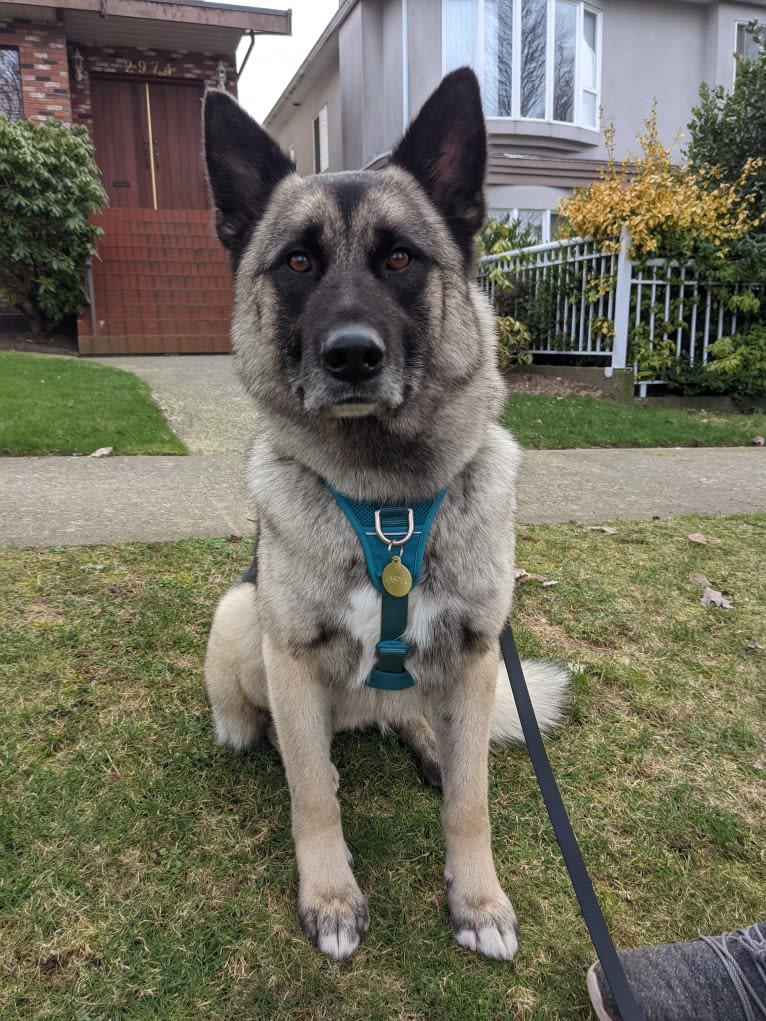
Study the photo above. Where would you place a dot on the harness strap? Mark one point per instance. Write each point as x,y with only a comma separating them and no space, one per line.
409,525
389,674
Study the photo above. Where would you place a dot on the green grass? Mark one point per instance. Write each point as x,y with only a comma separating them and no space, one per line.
67,406
558,423
147,873
54,405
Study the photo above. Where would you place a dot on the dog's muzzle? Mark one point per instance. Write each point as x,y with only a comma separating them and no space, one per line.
352,354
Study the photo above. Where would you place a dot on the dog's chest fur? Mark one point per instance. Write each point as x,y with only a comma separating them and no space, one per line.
315,596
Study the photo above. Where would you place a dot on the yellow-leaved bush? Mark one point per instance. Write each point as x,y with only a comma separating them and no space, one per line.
667,209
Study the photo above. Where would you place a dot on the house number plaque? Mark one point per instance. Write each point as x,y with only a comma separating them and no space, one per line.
156,67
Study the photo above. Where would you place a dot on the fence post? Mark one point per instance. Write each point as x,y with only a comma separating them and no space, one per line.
621,304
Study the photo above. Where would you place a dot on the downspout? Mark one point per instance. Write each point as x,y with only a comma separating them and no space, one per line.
251,33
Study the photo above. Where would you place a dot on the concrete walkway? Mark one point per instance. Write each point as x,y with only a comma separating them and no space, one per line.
59,501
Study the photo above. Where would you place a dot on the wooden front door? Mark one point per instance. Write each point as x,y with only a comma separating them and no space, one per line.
148,140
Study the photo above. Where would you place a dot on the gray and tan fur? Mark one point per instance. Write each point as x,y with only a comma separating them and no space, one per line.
370,355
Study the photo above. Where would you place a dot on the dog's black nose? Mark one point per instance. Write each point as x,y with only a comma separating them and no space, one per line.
353,354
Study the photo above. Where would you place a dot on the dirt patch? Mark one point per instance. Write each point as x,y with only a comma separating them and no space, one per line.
553,386
24,342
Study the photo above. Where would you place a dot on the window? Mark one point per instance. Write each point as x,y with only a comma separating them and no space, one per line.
536,59
543,223
10,84
749,40
321,144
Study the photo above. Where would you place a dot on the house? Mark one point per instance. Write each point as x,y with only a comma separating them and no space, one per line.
133,72
551,72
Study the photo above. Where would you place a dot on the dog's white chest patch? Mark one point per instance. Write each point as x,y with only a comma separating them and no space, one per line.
363,621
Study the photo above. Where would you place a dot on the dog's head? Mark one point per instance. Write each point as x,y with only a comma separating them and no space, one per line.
354,291
336,269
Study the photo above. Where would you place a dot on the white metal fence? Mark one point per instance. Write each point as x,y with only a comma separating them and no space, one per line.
583,303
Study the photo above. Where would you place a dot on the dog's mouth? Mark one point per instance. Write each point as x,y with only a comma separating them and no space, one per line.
353,409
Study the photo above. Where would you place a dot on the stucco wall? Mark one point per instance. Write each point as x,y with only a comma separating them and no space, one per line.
370,52
651,49
425,51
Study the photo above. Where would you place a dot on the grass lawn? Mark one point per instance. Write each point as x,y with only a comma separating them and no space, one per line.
147,873
556,423
54,405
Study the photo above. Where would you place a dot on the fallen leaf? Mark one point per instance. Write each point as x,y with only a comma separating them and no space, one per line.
700,579
102,452
711,597
601,528
525,576
698,538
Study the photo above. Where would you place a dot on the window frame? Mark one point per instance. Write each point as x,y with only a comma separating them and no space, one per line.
741,26
19,114
547,217
321,141
580,88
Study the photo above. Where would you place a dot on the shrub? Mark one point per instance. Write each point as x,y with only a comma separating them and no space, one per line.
49,185
669,210
500,235
728,129
740,360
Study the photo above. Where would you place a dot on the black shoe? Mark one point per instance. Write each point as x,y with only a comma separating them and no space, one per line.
713,978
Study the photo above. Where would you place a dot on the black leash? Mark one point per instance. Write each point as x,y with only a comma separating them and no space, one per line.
567,841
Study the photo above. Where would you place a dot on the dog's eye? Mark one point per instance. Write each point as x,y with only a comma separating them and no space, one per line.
299,262
398,259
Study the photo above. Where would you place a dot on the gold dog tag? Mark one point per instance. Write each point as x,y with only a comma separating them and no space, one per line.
397,580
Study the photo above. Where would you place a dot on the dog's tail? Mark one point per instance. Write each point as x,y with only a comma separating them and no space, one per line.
548,686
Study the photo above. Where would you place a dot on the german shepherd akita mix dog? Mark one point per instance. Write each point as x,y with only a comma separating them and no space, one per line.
370,355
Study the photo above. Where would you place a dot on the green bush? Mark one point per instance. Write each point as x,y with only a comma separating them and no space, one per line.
513,335
740,360
729,128
49,186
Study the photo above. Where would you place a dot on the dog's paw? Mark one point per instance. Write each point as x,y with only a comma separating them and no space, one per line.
336,922
489,927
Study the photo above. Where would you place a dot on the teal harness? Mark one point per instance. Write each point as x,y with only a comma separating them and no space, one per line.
381,529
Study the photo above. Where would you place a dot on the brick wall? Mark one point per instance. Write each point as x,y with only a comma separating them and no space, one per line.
161,282
161,285
44,68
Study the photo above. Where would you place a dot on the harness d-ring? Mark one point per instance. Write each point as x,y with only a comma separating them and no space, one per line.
396,542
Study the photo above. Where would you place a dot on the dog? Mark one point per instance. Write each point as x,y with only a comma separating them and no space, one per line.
370,355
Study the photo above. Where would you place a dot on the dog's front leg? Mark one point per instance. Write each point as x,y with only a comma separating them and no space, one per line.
332,910
481,916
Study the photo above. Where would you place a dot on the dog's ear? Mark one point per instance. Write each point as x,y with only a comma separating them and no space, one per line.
445,149
244,164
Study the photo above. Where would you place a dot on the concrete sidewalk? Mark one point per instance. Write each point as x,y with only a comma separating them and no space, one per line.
55,501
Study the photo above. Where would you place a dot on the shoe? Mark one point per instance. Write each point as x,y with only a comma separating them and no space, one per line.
713,978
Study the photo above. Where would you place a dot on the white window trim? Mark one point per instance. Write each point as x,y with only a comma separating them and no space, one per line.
478,62
321,141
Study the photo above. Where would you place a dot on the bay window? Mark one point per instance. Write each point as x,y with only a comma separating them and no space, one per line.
536,59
